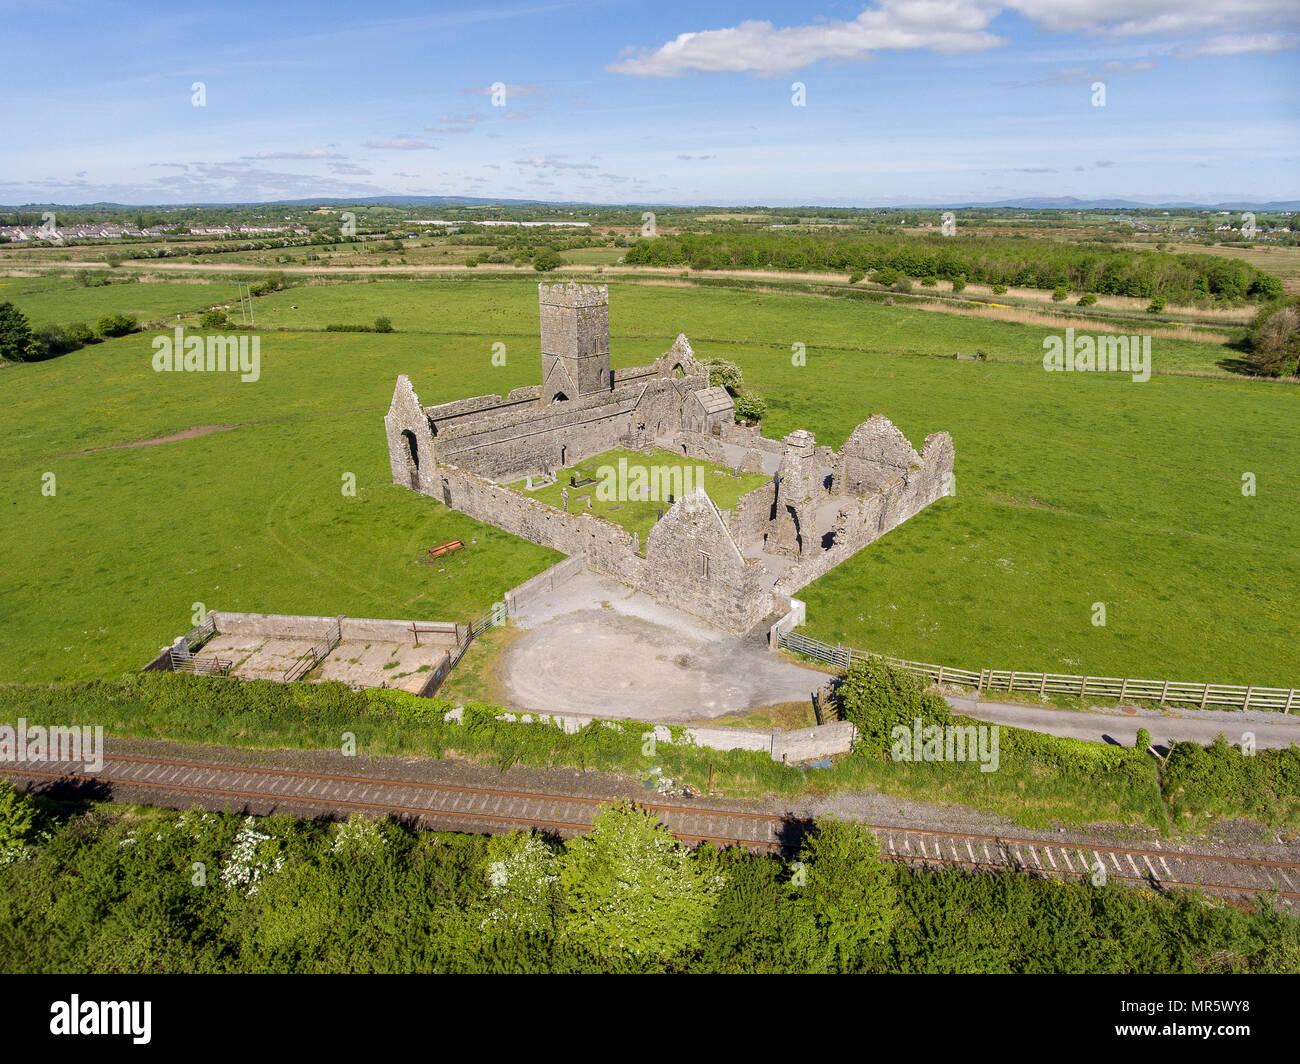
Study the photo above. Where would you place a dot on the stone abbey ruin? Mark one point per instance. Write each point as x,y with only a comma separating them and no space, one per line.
732,568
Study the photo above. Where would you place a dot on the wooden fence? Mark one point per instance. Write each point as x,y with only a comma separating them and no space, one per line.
1201,695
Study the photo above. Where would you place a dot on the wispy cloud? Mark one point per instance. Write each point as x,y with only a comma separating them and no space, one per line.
1078,75
1246,44
399,144
315,153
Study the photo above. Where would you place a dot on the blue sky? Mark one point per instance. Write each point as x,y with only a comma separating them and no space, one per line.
906,101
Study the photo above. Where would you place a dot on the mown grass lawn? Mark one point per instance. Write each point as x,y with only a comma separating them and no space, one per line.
1072,489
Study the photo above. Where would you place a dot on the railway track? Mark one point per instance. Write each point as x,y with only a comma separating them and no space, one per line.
266,789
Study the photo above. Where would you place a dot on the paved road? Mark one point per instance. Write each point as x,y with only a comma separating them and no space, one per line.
1109,725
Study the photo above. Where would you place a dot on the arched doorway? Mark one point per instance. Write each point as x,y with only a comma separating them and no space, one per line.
412,458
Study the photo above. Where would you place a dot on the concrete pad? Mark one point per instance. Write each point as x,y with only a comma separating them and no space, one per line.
596,646
272,659
361,664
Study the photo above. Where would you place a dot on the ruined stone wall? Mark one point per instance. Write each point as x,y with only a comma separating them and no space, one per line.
731,598
752,516
701,447
694,563
875,453
547,580
870,517
605,545
539,437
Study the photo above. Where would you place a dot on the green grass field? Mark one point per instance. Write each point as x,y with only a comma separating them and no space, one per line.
1072,489
640,515
64,301
506,310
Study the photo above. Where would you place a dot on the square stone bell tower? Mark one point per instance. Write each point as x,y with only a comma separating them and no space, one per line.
575,340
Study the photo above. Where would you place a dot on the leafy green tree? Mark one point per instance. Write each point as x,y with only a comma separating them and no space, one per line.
17,817
1157,305
750,407
213,319
631,892
546,260
856,275
959,283
117,324
1060,293
523,885
848,894
17,343
1088,299
383,325
877,697
725,374
1274,339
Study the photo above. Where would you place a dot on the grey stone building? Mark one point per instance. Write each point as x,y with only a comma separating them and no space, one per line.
731,568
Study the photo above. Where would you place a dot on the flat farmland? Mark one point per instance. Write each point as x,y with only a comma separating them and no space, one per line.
1072,489
505,309
64,301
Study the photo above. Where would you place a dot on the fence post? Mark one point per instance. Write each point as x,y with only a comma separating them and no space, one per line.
1164,691
1123,688
1205,695
1083,690
1042,686
1011,684
1249,692
1290,698
941,674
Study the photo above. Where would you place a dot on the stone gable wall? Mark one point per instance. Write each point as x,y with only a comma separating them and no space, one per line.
870,517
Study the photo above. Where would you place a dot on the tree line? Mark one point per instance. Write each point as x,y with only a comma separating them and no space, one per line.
1023,262
93,887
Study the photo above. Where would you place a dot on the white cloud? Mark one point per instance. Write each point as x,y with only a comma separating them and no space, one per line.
400,144
950,27
1246,44
314,153
1138,17
945,26
1078,75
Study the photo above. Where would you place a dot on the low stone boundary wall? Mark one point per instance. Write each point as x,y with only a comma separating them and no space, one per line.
804,744
518,597
798,615
299,626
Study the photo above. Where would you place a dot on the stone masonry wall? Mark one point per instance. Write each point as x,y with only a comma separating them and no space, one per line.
732,597
870,517
297,626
